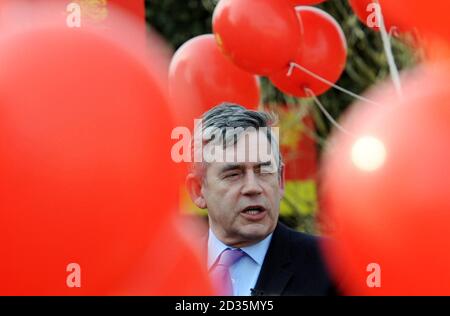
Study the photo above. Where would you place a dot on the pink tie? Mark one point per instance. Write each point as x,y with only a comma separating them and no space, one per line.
220,272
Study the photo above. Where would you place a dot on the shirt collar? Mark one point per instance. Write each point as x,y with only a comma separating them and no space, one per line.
257,251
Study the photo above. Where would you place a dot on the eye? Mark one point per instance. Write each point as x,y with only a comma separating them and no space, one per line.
231,175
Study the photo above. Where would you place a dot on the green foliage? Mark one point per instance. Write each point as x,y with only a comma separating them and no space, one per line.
299,206
180,20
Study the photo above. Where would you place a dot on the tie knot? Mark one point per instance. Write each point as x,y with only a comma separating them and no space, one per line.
229,257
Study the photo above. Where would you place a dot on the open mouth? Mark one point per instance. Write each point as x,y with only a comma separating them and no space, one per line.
254,212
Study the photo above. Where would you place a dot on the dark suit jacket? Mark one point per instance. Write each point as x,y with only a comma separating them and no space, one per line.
293,266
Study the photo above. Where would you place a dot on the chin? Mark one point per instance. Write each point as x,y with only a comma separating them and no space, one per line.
255,231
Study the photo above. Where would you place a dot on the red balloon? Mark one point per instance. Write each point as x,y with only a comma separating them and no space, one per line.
86,173
324,52
434,48
201,77
386,190
260,36
173,264
366,10
305,2
430,19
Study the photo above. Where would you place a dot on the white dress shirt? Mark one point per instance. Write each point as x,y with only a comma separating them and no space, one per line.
245,272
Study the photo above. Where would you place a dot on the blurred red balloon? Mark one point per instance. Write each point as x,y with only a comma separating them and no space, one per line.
201,77
430,19
260,36
305,2
324,52
387,189
86,172
366,10
178,269
434,48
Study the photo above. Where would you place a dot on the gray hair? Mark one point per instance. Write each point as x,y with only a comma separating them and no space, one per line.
226,116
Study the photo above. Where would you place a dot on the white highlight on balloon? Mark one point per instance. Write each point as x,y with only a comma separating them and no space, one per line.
368,153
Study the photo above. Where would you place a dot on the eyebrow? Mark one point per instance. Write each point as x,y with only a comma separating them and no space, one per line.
236,166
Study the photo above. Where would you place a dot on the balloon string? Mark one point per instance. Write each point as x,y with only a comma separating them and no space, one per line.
388,51
311,94
300,19
335,86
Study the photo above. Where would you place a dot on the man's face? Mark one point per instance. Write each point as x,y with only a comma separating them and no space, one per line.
243,197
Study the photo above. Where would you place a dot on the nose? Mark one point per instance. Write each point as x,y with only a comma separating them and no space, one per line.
251,184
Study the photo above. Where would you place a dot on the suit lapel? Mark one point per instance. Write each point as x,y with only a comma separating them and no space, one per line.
276,270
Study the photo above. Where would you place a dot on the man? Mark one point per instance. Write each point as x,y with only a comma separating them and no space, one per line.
249,251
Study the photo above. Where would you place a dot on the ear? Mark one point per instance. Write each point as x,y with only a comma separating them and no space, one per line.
282,180
194,187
